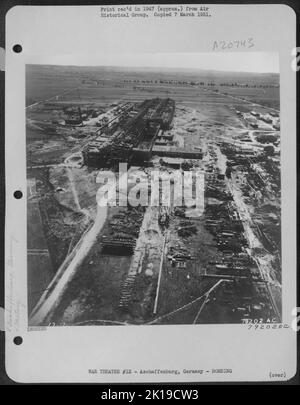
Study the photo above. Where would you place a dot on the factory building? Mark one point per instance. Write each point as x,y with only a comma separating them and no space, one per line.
135,135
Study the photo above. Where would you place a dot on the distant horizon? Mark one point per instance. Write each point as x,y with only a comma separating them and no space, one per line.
231,62
154,68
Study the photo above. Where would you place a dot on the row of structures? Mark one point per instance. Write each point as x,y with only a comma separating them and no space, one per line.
133,137
255,119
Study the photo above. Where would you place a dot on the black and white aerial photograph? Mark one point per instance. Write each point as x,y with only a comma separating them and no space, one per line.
153,191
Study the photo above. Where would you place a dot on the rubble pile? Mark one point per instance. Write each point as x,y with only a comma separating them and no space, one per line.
123,231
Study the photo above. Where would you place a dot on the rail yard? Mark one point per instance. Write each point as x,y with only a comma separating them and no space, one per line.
166,264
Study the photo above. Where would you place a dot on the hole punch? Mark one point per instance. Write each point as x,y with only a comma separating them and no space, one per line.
18,194
17,48
18,340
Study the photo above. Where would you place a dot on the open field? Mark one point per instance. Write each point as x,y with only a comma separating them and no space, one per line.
107,85
39,263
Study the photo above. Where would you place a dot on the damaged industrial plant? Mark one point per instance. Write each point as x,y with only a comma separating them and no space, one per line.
152,264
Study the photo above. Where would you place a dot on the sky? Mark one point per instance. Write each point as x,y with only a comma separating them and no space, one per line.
260,62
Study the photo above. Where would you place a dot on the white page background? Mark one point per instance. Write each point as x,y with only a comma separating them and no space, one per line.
63,34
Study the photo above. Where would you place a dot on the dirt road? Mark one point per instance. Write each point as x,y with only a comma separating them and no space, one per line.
51,297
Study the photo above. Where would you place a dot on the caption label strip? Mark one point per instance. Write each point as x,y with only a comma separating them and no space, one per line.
144,11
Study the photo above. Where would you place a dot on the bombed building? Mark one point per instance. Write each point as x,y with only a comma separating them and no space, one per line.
133,136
